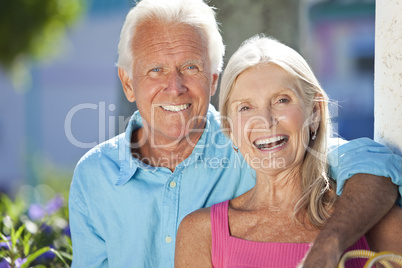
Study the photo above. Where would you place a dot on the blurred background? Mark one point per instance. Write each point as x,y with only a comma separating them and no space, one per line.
60,94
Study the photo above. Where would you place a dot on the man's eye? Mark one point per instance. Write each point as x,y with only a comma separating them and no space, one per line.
244,108
156,72
191,69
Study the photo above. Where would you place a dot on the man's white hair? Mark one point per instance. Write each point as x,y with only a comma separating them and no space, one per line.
191,12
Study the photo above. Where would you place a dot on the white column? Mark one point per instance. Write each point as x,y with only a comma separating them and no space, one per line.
388,74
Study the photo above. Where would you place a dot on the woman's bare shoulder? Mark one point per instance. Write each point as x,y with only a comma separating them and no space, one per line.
193,241
197,219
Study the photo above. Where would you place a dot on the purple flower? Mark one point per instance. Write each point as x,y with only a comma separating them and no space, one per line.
36,212
67,231
5,245
55,204
45,257
19,262
47,229
4,264
48,255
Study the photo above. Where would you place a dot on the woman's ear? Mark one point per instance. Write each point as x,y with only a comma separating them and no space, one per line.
127,85
315,116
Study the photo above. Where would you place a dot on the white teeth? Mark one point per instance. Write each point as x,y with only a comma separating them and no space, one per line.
176,108
270,140
269,143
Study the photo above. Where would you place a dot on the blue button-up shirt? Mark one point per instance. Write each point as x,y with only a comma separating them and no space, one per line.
124,213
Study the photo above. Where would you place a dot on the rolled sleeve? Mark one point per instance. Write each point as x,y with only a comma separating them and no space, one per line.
363,155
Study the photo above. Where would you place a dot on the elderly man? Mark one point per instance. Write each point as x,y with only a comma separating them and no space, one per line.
129,194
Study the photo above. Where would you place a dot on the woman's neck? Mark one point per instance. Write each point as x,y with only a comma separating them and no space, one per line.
278,191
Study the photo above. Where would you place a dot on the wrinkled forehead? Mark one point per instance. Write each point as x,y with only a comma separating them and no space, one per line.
288,76
153,36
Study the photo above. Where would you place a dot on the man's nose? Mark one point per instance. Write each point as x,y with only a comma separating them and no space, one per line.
175,84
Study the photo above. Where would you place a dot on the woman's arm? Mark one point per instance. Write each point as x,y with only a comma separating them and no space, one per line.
193,241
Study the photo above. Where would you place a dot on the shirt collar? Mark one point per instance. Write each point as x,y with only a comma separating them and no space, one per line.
128,164
211,136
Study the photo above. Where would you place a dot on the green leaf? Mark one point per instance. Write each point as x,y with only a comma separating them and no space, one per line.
12,209
60,257
34,256
26,243
13,240
66,255
40,26
69,244
19,232
3,237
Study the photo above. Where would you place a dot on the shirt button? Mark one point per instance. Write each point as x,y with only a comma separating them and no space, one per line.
168,239
172,184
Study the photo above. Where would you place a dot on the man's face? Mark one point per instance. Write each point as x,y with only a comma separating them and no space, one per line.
171,79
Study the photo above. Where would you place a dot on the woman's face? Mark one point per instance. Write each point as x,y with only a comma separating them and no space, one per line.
269,119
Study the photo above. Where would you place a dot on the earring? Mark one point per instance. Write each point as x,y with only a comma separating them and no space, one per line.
236,149
314,135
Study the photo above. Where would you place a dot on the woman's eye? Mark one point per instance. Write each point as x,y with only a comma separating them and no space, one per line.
244,108
283,100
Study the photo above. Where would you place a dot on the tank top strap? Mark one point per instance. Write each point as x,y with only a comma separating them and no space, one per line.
219,232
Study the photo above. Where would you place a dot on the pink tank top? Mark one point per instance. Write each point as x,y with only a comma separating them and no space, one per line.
233,252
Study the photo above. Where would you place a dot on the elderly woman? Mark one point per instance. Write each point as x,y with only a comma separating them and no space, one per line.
276,114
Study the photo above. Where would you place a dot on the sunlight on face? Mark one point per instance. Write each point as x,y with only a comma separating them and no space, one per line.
268,118
172,81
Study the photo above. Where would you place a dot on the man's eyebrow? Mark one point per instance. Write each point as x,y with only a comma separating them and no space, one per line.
154,65
193,62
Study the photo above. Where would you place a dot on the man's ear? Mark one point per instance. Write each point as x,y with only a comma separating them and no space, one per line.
214,85
127,85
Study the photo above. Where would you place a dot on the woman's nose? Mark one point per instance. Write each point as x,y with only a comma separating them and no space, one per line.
265,119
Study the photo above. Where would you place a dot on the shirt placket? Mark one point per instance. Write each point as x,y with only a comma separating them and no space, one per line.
170,216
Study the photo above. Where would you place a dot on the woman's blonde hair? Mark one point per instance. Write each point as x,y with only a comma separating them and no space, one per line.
260,50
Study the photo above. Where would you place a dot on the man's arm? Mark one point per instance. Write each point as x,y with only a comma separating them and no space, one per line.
89,249
363,156
364,201
365,198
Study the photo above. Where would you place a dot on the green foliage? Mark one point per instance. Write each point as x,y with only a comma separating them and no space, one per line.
34,235
33,28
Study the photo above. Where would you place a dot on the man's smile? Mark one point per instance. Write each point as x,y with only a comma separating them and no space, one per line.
176,108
